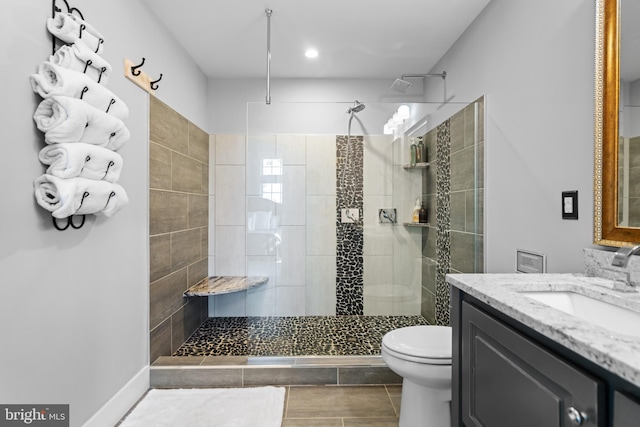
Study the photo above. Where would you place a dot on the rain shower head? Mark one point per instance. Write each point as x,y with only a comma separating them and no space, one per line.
402,85
357,107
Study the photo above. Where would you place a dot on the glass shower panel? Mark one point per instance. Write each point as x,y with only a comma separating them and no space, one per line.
264,173
298,167
299,164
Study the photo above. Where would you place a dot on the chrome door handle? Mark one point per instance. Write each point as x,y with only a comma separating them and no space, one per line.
577,418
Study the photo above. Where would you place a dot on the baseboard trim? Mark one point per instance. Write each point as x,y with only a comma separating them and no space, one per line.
117,407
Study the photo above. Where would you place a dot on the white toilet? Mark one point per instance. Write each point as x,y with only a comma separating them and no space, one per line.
421,355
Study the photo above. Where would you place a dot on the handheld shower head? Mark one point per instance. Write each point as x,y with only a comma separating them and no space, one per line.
357,107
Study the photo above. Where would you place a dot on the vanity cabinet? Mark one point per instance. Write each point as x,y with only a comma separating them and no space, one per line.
509,380
506,374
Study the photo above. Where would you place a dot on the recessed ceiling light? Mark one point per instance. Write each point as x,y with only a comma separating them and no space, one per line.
311,53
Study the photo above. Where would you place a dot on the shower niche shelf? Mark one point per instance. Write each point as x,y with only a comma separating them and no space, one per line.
218,285
417,166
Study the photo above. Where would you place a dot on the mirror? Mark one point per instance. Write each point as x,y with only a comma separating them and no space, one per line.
617,101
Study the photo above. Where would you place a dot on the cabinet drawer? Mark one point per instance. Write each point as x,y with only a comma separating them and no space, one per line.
508,380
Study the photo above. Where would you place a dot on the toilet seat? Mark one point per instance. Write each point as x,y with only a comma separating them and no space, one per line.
421,344
414,359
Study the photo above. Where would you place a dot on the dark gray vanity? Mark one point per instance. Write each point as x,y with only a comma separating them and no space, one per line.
520,362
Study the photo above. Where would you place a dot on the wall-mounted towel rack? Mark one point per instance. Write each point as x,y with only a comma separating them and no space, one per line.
139,77
71,187
70,9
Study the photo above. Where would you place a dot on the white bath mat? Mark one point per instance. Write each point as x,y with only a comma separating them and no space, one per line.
217,407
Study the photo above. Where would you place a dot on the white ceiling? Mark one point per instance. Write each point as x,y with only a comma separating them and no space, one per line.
355,38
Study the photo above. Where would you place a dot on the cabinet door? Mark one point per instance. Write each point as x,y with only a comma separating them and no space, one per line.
626,411
509,380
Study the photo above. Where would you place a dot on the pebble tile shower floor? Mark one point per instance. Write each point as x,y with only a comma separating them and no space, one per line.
293,336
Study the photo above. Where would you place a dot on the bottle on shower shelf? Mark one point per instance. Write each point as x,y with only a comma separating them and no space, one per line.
414,152
422,214
416,212
421,151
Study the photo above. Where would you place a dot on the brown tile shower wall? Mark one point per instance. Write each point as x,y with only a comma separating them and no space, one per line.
465,227
465,155
634,174
178,226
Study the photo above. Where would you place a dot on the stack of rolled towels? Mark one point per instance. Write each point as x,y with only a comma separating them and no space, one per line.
82,122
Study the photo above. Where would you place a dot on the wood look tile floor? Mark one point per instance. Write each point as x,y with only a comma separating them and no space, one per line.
342,406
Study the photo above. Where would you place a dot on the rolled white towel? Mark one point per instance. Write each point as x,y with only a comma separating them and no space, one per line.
53,80
78,196
78,57
72,159
67,26
67,119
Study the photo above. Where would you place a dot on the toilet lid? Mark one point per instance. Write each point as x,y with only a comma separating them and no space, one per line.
431,342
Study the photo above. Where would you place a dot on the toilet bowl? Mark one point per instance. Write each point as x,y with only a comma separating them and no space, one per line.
421,355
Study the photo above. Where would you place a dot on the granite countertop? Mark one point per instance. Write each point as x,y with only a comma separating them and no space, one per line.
217,285
618,353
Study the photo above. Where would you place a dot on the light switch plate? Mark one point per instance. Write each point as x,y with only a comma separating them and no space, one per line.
569,205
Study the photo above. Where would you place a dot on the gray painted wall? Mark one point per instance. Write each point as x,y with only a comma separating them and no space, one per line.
534,63
74,304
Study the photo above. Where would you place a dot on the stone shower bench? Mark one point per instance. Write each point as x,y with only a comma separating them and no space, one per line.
218,285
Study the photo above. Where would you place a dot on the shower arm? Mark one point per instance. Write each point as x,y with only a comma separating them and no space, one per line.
443,75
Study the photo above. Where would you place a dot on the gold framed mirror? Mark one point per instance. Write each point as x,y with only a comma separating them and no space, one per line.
609,230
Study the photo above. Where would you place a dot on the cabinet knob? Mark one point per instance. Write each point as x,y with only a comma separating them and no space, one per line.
577,418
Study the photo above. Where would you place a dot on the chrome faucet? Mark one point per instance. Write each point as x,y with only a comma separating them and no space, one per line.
622,256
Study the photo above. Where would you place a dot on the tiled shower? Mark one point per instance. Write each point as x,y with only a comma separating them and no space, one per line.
275,198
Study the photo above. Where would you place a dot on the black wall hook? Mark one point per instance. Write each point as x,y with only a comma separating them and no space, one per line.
69,9
153,84
134,68
113,101
69,223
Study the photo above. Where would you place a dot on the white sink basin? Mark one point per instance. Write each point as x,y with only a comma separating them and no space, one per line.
600,313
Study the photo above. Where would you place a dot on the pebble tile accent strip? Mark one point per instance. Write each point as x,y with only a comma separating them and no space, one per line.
350,236
443,213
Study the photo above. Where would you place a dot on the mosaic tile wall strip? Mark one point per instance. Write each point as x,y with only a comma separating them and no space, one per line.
443,213
350,236
293,336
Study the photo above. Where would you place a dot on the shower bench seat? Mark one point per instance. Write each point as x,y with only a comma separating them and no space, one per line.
217,285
